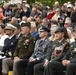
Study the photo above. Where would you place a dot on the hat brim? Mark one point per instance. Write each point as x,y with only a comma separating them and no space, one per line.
9,28
59,31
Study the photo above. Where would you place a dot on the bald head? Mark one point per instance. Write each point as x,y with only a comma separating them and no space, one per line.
24,18
56,4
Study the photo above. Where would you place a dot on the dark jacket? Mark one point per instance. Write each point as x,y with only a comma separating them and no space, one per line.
62,49
9,45
71,54
25,47
42,49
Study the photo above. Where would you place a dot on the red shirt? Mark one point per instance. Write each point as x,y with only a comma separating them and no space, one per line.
50,15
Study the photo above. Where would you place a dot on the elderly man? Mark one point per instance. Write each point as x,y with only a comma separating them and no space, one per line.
34,31
41,50
69,28
68,62
23,50
59,48
13,21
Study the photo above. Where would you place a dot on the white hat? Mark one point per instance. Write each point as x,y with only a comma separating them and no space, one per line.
27,5
22,22
10,27
69,6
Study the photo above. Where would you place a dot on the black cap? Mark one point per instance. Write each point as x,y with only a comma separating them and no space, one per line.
28,24
61,29
44,28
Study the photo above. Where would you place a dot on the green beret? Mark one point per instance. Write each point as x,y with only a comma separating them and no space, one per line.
61,29
28,24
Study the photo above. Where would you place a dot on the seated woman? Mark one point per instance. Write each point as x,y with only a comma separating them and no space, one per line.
3,36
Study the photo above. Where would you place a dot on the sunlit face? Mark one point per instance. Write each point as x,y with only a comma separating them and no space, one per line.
25,30
17,31
42,34
9,32
59,35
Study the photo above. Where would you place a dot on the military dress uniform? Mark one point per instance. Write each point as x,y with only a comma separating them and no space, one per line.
59,49
9,45
10,42
71,55
58,67
41,51
8,49
39,68
24,50
25,47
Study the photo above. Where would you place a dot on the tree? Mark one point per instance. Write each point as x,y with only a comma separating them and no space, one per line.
51,2
30,1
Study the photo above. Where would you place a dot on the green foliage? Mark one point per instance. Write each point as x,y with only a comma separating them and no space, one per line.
46,2
51,2
1,2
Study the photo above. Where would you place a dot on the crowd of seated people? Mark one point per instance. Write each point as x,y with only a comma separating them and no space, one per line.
38,39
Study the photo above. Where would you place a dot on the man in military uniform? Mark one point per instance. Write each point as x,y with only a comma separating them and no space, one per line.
23,50
9,43
69,60
59,48
42,49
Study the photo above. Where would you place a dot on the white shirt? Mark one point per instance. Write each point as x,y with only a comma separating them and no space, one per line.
2,39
